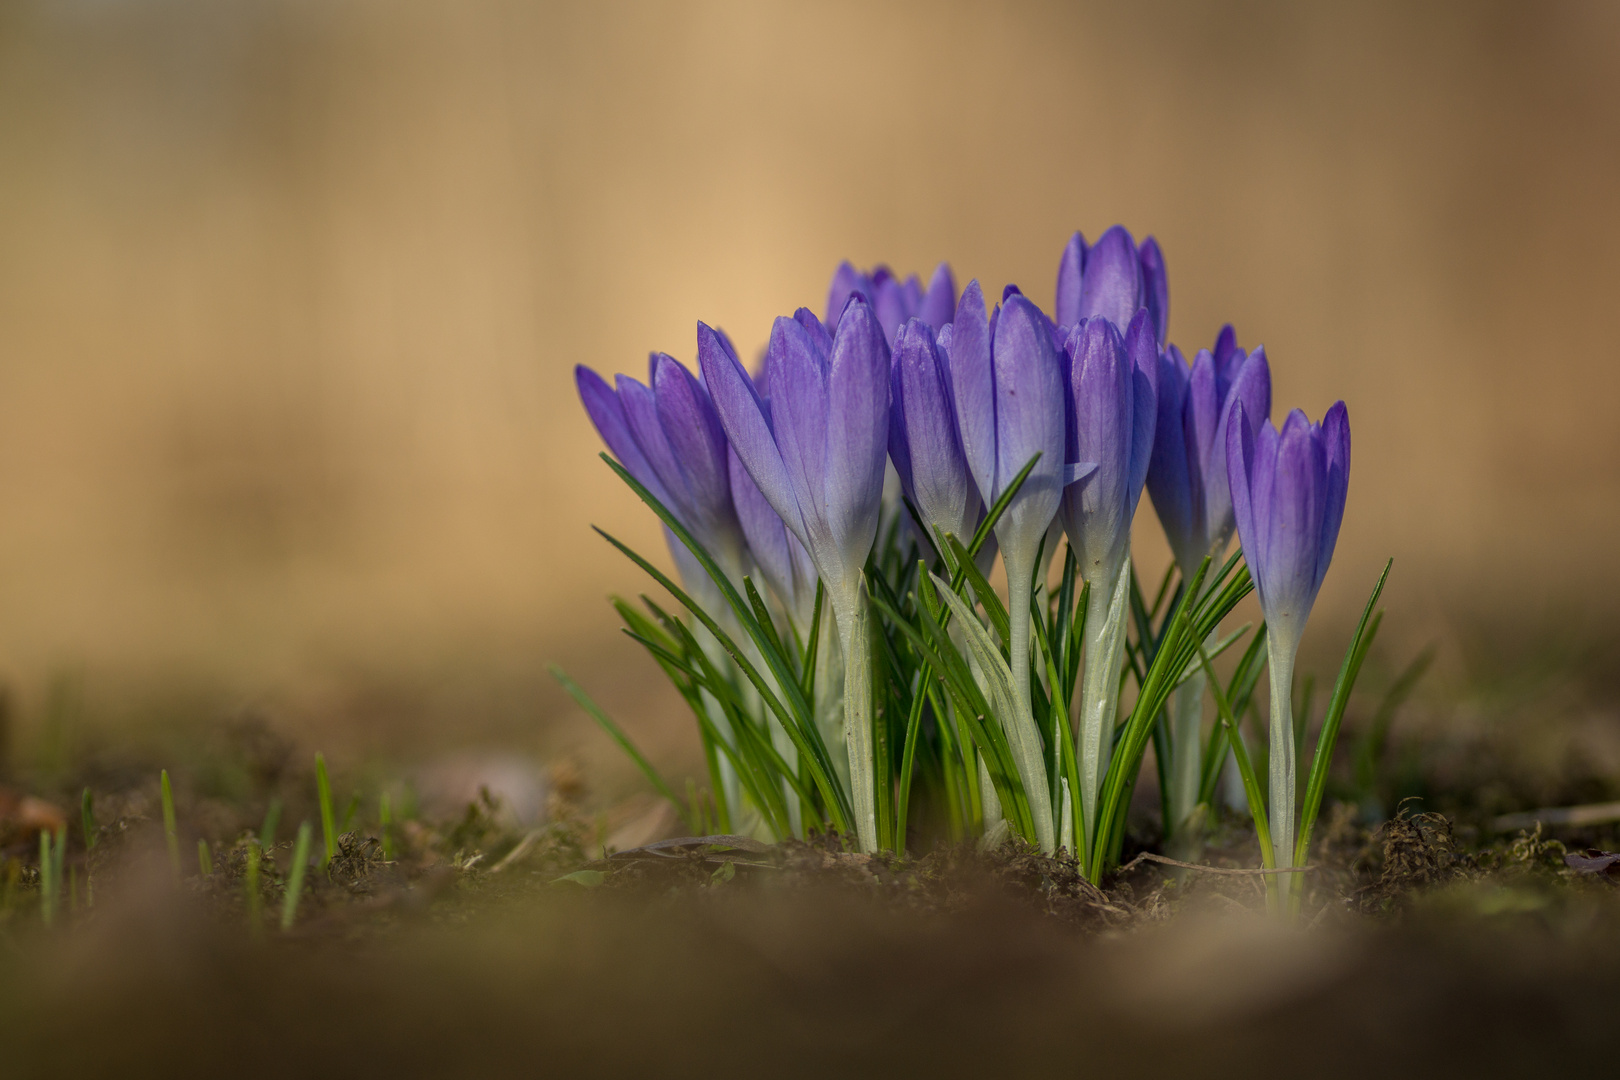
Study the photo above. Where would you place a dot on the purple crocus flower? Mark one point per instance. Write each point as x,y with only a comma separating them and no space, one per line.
1188,482
892,300
668,436
1009,407
1187,476
818,453
1008,384
924,441
1288,495
1288,492
1115,279
1111,398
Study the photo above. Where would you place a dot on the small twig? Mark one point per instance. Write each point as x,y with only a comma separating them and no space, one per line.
1574,816
1148,856
519,851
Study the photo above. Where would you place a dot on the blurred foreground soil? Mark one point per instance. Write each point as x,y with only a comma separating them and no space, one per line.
817,981
488,948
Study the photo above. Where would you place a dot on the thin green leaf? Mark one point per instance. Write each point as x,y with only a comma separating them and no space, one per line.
1366,630
654,777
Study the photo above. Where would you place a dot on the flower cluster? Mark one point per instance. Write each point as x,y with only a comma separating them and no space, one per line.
1008,430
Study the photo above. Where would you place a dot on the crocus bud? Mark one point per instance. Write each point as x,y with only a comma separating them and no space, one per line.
818,455
1187,477
1112,404
924,442
893,301
1009,406
1113,279
819,458
939,303
669,438
1288,494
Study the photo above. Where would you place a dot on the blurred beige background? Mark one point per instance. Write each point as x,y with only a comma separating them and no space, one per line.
290,293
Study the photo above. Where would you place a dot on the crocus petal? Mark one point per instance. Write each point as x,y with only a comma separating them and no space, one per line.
855,433
1240,453
1100,420
1029,416
1252,389
1262,488
846,281
939,304
1143,348
641,413
899,439
912,292
1336,451
762,528
799,413
1170,477
1155,287
697,439
975,383
1112,284
820,332
934,471
602,405
1071,269
1296,520
889,305
742,415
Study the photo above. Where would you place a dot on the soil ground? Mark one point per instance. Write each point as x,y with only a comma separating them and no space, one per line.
1431,944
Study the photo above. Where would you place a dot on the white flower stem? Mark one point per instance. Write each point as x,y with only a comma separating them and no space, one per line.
1021,732
1280,662
1106,616
854,634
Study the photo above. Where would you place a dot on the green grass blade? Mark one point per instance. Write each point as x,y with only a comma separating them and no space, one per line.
993,607
614,732
205,858
795,716
812,649
1366,631
272,819
1371,745
171,834
780,668
323,795
1251,783
295,877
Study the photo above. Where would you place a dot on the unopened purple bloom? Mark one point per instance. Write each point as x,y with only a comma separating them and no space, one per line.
924,442
1114,279
1288,494
818,456
1008,384
894,301
668,436
1188,478
1112,403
